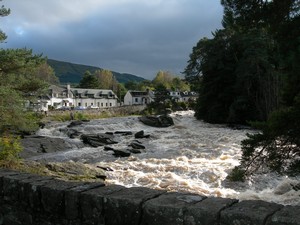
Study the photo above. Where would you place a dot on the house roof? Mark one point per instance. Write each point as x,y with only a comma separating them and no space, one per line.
95,93
83,92
138,93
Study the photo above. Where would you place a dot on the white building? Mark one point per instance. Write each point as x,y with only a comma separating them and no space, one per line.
99,98
67,97
138,97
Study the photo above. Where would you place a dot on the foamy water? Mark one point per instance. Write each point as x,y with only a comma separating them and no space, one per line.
190,156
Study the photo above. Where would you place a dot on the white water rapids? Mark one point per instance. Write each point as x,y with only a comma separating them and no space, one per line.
191,156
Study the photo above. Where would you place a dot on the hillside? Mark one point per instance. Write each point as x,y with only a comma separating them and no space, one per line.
72,73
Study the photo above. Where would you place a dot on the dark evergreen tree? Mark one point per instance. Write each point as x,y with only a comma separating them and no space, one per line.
89,81
250,71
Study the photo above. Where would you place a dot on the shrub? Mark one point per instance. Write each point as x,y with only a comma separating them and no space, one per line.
10,148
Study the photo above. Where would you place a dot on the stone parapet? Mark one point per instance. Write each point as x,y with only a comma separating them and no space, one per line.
28,199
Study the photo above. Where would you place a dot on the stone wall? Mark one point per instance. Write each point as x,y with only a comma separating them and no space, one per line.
120,110
27,199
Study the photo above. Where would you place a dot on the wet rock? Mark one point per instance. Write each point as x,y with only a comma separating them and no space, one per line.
296,187
70,132
75,123
140,134
124,133
35,145
108,148
136,145
75,170
135,151
157,121
121,153
96,140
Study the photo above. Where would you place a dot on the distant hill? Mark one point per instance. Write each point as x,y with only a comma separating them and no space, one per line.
72,73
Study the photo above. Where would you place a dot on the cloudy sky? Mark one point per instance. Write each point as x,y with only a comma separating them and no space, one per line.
128,36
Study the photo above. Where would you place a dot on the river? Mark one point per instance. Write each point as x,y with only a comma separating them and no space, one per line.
191,156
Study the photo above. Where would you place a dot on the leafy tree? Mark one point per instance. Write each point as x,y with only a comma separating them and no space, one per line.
132,85
163,78
46,73
13,118
89,81
106,79
3,12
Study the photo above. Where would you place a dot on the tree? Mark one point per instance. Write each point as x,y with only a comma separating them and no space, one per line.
106,79
249,71
89,81
21,65
46,73
164,78
3,12
13,118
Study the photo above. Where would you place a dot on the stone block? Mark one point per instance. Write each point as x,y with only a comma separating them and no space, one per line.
33,190
207,212
168,209
248,213
4,173
289,215
72,199
10,186
125,207
52,196
26,186
92,203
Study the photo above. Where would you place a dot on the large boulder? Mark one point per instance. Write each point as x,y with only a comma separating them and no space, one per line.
140,134
96,140
75,171
36,145
157,121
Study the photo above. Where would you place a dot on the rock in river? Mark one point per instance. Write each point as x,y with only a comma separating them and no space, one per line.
96,140
157,121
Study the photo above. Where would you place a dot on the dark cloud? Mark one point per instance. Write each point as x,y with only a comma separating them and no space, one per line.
133,36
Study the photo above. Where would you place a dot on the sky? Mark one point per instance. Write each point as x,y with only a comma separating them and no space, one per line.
140,37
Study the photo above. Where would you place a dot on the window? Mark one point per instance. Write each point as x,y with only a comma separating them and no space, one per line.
136,100
79,104
110,104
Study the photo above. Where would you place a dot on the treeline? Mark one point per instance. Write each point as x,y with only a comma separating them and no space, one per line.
250,71
104,79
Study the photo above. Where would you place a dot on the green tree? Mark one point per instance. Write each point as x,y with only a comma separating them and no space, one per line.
46,73
13,118
249,71
89,81
164,78
3,12
21,65
106,79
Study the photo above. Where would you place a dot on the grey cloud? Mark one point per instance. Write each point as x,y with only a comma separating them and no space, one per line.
137,38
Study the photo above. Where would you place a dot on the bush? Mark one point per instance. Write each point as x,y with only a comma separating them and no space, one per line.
277,146
10,148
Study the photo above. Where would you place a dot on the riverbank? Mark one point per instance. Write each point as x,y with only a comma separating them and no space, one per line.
90,114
